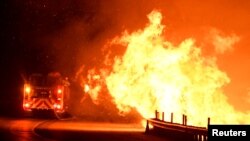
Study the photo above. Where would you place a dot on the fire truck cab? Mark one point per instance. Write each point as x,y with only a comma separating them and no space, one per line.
46,92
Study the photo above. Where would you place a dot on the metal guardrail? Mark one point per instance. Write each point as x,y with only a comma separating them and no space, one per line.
176,130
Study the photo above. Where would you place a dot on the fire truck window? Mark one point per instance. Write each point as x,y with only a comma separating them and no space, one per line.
36,80
53,81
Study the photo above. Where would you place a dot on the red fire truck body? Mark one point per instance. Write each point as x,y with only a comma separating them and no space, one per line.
45,92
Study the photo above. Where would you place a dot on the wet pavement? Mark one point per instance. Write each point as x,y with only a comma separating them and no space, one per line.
70,129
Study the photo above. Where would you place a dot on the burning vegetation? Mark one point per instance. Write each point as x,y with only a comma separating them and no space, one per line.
155,74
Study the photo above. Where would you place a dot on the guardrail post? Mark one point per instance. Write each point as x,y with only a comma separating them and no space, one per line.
162,116
147,127
156,114
208,121
172,117
185,119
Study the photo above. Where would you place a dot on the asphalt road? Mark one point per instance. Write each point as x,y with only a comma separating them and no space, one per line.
27,129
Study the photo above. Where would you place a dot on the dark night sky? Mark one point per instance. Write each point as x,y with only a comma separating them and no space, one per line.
28,30
28,25
45,35
31,32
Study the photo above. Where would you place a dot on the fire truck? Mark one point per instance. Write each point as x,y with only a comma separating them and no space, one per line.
46,92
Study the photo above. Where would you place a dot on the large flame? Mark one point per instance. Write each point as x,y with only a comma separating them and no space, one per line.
153,74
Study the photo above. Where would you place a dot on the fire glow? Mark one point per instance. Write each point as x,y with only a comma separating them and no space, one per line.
153,74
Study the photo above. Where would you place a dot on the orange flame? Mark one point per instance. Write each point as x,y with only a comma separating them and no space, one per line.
153,74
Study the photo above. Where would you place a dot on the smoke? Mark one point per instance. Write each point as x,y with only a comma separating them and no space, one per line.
223,43
248,95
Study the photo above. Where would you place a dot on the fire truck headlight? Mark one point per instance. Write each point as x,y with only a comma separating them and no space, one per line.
59,91
27,89
57,106
26,105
